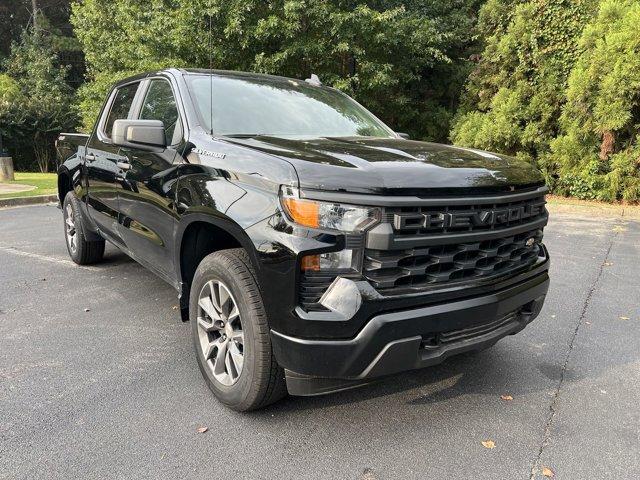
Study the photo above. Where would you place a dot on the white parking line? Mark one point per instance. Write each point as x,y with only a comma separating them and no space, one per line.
45,258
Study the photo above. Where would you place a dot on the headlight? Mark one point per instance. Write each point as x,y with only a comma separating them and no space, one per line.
334,216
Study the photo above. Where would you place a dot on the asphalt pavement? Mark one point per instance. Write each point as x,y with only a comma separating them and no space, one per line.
98,380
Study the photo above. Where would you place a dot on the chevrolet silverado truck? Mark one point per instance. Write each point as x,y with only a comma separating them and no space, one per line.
313,248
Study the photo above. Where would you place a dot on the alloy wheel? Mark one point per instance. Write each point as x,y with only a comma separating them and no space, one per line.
70,229
220,332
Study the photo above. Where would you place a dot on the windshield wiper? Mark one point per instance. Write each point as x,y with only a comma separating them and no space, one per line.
243,135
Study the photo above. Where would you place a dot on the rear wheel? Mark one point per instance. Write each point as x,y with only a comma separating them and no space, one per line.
80,250
231,334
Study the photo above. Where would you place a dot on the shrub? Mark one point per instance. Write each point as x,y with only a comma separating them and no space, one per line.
600,119
515,94
36,102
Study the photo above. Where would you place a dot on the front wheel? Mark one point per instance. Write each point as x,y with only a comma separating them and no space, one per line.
80,250
231,334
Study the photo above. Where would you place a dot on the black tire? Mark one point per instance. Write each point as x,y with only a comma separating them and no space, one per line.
80,250
261,380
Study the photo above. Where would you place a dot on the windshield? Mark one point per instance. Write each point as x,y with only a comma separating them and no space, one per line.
279,107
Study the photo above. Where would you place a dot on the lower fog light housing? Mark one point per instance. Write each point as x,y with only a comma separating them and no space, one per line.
336,260
342,297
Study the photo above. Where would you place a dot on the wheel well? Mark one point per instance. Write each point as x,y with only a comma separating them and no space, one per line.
64,186
199,240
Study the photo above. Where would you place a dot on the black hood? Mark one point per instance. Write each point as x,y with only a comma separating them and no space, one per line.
384,165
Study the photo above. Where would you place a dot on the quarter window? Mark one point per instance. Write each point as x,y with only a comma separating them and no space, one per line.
160,104
120,106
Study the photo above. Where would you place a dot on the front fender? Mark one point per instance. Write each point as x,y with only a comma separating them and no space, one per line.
232,203
233,229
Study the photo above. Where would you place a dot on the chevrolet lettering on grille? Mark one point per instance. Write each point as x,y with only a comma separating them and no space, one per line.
470,218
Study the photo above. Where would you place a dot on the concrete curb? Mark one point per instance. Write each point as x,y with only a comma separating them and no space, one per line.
35,200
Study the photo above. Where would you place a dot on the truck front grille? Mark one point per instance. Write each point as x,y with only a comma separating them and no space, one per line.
446,242
415,268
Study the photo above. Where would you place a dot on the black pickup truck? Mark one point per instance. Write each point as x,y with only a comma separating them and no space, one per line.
313,249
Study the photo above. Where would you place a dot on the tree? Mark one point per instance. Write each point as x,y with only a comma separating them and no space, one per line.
515,94
559,83
40,103
52,18
405,60
598,153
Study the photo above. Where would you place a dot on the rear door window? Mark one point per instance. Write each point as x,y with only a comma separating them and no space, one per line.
121,106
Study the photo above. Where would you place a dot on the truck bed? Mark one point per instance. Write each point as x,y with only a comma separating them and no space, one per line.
67,144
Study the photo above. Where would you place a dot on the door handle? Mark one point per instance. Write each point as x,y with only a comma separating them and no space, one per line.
123,165
90,157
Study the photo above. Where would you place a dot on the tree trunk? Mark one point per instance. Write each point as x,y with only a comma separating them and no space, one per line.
607,145
41,152
6,169
34,8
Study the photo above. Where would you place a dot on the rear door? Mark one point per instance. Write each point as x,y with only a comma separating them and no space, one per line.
148,191
104,175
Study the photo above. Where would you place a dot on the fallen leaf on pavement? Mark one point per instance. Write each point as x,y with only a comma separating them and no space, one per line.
489,444
202,429
367,474
506,397
547,472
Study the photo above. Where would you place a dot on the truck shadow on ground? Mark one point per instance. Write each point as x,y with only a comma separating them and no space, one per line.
114,257
493,372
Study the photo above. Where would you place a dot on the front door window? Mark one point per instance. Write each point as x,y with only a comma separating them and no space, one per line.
160,104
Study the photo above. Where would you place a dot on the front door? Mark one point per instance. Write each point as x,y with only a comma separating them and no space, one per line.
148,216
102,160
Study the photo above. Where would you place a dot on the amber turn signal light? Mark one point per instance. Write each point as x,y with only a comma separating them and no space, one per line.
310,263
303,212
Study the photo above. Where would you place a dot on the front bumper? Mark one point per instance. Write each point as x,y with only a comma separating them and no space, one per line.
409,339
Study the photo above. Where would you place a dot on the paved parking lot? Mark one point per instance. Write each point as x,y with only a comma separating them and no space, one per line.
114,392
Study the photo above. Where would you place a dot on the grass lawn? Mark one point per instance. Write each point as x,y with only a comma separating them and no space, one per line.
45,183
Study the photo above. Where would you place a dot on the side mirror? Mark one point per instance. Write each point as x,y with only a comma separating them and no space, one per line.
403,135
139,134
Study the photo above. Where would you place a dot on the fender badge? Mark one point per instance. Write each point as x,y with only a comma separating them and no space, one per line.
208,153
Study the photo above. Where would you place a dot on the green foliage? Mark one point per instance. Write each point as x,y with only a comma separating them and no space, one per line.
36,102
599,147
409,55
9,89
559,83
515,94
